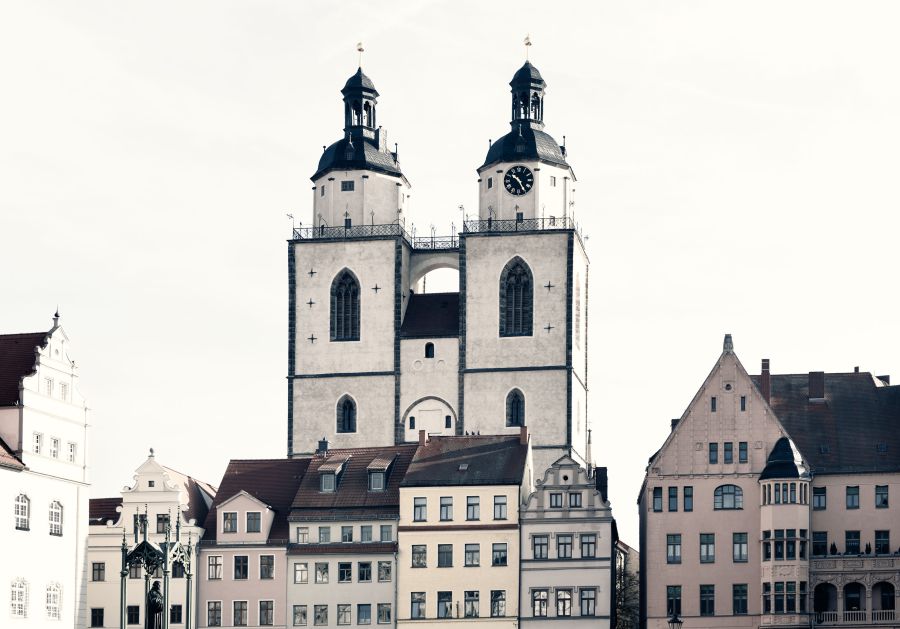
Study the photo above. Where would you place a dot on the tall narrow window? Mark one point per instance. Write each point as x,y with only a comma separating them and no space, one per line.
429,350
577,310
345,307
53,601
346,415
22,514
515,408
19,598
56,519
516,299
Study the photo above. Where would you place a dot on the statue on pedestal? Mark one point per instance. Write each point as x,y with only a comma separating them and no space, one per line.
155,607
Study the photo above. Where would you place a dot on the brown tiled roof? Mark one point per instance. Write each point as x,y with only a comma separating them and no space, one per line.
103,509
382,462
855,429
333,463
17,360
387,512
431,315
472,460
340,548
271,481
352,497
8,458
199,494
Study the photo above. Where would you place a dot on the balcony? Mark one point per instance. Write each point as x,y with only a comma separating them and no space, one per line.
876,617
420,243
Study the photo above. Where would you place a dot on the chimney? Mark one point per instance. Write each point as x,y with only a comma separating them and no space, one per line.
602,482
523,435
816,385
423,438
675,423
323,447
765,381
856,369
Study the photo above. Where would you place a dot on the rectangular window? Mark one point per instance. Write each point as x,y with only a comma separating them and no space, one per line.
688,498
556,500
739,544
303,535
348,186
386,533
376,481
790,547
324,534
345,572
365,533
779,544
820,543
301,573
417,604
563,603
790,598
673,499
384,613
254,521
500,507
241,567
490,182
552,181
239,613
446,509
802,597
767,598
445,555
37,442
54,447
229,522
214,614
320,615
162,520
473,506
364,571
133,615
713,453
588,601
851,542
588,545
575,500
177,570
793,493
882,542
384,571
214,567
321,194
346,534
673,600
853,497
473,554
134,571
266,613
48,386
420,509
98,571
72,451
322,572
419,556
445,604
267,566
818,498
657,498
498,555
498,603
712,404
739,599
471,601
539,546
300,610
564,546
326,485
881,496
673,548
728,452
707,600
363,614
539,603
707,547
343,614
742,451
743,403
97,617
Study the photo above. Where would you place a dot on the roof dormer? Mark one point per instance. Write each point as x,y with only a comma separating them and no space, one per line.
330,473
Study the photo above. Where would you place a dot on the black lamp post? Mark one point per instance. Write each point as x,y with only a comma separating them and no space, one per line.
675,622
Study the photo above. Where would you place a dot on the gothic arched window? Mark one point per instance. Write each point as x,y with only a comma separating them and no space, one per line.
345,307
516,299
728,497
56,518
515,408
346,415
22,512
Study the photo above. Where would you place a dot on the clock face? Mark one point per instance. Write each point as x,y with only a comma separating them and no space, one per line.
518,180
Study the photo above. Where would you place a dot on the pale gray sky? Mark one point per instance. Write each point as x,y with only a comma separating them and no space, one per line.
736,164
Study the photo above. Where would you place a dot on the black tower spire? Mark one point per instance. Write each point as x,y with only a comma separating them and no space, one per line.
527,97
360,97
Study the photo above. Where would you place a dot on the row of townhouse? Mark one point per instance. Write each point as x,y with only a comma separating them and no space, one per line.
769,504
452,529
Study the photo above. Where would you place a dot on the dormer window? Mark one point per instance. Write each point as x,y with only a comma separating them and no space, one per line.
326,482
376,481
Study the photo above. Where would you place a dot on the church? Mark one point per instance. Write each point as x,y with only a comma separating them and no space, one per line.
374,359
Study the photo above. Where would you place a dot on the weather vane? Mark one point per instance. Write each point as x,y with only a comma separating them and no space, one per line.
527,45
360,50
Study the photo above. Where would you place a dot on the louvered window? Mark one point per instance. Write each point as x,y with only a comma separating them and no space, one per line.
516,299
345,307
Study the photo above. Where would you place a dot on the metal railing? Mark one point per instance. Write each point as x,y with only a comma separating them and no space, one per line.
523,225
324,232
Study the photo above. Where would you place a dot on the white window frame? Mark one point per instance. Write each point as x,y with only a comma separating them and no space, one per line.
54,601
22,512
55,518
18,597
72,454
37,442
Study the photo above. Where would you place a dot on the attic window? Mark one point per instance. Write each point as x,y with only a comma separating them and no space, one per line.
376,481
326,482
463,467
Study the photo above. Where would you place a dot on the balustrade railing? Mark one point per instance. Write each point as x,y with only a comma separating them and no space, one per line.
524,225
824,618
883,615
324,232
858,616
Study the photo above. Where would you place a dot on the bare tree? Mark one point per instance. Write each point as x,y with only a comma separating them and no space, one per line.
627,595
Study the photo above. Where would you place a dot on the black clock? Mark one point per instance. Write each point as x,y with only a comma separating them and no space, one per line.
518,180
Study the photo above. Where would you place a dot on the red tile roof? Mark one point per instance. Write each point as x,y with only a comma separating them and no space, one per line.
18,358
339,548
103,509
271,481
468,460
8,458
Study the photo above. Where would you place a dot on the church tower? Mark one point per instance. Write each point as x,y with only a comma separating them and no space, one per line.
372,360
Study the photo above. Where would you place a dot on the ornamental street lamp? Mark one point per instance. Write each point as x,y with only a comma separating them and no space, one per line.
675,622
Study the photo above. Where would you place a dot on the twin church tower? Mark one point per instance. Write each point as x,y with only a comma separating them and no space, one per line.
373,359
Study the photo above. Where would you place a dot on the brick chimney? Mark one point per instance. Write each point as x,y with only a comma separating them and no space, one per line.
523,435
816,385
675,423
765,381
423,438
322,450
601,480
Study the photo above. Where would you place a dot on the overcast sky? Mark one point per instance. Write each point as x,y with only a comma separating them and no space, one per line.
737,172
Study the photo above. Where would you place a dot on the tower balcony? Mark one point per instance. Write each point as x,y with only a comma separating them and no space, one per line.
521,225
390,230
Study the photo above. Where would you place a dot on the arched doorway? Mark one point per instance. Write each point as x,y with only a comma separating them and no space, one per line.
883,601
825,602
